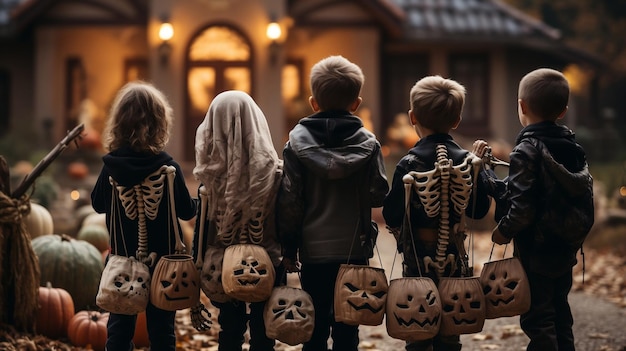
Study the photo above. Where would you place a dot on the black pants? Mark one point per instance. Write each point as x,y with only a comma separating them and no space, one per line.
234,320
121,328
549,321
319,281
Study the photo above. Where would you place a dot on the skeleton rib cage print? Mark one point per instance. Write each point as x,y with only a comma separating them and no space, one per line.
444,189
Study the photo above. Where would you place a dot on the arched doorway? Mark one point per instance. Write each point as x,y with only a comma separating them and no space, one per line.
219,58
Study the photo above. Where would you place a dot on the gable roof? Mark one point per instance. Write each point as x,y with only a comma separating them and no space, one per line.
324,13
20,14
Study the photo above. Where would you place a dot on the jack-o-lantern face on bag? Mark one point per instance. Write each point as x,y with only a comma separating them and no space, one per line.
360,295
506,288
211,275
247,273
124,286
175,283
463,305
289,315
413,309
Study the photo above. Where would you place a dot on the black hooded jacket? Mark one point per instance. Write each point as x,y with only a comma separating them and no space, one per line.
332,167
129,168
547,167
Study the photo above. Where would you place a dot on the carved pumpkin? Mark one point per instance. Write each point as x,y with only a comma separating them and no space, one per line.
247,273
463,305
124,286
175,283
289,315
413,309
89,328
506,288
56,309
360,295
70,264
211,275
39,221
96,235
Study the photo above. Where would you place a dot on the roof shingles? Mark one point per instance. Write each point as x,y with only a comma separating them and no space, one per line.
469,17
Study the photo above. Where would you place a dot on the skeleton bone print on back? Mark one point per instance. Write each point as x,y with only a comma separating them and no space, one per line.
441,190
142,201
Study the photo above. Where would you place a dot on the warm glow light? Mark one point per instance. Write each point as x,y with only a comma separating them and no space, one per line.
75,195
166,31
622,190
273,31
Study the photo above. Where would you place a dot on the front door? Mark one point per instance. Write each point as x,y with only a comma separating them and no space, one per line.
219,59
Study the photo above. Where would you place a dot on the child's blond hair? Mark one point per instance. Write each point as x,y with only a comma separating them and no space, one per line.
546,93
336,83
140,118
437,103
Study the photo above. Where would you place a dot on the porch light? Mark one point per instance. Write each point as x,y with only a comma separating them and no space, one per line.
166,32
273,33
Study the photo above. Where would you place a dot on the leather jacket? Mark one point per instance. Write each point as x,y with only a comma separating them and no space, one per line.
332,167
538,146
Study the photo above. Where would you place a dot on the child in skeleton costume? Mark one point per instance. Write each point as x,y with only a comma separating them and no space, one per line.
240,172
333,169
135,176
442,176
548,174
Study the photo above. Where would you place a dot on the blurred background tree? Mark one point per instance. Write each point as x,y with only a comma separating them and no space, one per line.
594,26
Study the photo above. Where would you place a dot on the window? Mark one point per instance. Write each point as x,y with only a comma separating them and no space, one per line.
473,73
295,100
219,59
75,90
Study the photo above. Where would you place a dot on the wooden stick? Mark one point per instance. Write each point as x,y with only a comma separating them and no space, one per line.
46,161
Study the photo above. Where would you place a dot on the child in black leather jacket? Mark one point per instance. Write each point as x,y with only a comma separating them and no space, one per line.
547,176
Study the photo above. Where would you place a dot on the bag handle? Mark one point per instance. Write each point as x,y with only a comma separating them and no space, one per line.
173,218
115,215
204,206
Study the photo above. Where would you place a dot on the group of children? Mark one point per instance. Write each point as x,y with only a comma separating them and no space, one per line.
310,202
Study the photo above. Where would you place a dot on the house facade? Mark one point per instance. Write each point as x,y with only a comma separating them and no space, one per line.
62,61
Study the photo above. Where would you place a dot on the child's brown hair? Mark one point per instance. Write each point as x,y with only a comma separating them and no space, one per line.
437,103
336,83
546,93
140,118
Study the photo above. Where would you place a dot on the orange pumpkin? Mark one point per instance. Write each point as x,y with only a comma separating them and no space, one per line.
141,338
56,309
77,170
89,328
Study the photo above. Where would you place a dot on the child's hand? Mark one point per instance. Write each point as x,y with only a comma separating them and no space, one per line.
290,265
498,238
480,147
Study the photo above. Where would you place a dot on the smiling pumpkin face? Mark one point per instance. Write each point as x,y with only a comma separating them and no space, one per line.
506,288
360,295
175,283
463,304
413,309
247,273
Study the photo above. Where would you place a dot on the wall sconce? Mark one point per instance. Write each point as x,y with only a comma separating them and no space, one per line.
273,33
166,32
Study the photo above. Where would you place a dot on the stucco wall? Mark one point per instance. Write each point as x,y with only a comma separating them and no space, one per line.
360,46
102,50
